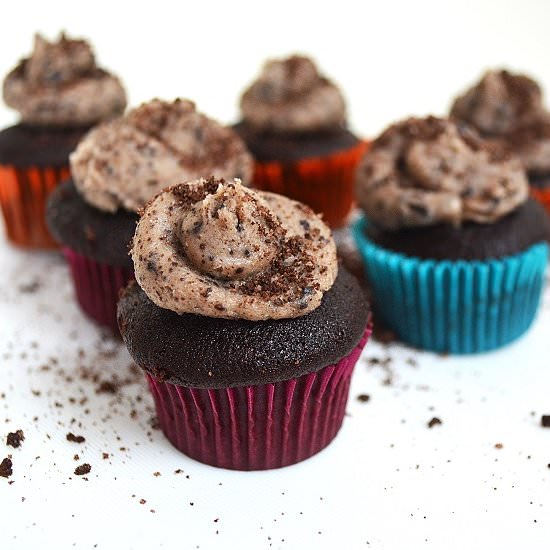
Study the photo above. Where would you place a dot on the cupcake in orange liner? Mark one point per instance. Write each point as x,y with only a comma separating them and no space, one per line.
294,123
508,108
247,328
60,94
115,170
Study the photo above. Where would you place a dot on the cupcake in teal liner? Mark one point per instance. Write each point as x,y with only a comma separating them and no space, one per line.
454,248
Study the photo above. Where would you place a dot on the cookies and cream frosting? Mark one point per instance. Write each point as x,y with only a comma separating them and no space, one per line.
509,108
61,85
291,96
219,249
125,162
428,171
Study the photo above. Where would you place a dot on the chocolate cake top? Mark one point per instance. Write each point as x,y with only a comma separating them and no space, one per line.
218,249
60,84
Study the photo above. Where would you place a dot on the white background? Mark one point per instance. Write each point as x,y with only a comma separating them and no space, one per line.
387,482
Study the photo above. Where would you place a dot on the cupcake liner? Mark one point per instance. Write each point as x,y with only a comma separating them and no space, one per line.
257,427
23,196
324,183
543,196
454,306
97,286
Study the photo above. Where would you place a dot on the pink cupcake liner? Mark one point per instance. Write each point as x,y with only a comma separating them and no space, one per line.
257,427
97,286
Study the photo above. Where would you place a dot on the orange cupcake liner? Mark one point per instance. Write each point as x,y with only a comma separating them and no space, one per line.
543,196
23,196
324,183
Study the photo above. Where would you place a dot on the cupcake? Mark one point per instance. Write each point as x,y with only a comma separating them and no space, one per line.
60,93
115,170
245,325
509,108
454,248
294,123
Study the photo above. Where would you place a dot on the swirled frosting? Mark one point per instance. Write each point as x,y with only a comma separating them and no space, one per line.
61,85
291,96
427,171
218,249
509,108
125,162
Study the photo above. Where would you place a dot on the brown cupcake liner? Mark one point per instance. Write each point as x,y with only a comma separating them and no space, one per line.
324,183
23,196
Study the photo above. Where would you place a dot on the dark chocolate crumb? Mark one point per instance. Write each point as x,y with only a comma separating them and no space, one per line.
434,422
75,438
15,439
363,398
6,467
83,469
545,421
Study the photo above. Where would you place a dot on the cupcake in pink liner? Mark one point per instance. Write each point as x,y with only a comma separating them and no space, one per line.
115,170
244,323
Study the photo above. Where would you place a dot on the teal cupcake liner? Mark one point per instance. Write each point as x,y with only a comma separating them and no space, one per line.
454,306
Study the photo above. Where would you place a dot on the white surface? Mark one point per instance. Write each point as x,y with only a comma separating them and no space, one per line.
387,482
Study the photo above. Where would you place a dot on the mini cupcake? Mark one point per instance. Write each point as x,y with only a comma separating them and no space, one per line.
115,170
60,93
454,248
509,108
247,328
294,123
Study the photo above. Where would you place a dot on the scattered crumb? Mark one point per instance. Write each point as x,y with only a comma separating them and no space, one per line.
75,438
363,398
545,421
434,422
499,445
14,439
6,467
83,469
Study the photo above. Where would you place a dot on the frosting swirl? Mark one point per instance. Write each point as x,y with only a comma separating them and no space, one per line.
291,96
218,249
125,162
61,85
427,171
508,108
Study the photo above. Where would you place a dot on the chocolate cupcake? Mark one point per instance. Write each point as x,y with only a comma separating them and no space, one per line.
454,248
115,170
508,108
294,123
247,328
60,93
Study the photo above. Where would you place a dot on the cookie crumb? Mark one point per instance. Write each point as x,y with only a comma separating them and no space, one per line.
545,421
499,445
75,438
14,439
434,422
83,469
363,398
6,467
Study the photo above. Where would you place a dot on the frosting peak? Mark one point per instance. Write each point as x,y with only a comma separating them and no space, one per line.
429,171
499,103
60,84
218,249
123,163
290,95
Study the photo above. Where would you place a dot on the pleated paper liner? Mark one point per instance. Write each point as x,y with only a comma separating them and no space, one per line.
324,183
257,427
454,306
23,196
97,286
543,196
